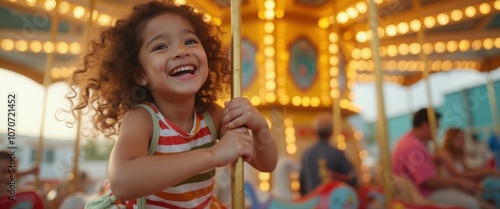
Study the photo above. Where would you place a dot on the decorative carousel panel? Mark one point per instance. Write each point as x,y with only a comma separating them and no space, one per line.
303,63
248,65
302,70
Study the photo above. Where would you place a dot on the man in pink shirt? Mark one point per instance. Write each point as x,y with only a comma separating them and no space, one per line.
413,160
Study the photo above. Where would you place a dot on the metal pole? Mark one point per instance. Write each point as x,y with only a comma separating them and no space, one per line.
76,170
430,108
381,121
493,104
46,83
237,197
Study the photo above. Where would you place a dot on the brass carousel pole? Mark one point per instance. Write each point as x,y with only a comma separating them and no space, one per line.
237,195
46,83
493,104
423,58
76,168
381,120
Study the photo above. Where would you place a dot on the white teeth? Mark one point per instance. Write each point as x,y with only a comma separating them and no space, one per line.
183,69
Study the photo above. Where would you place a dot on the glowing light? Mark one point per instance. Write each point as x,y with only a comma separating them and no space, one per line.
48,47
62,47
415,25
315,101
456,15
49,4
306,101
391,30
392,50
440,47
403,27
443,19
64,7
35,46
7,44
429,21
415,48
291,148
31,3
333,37
488,43
268,39
464,45
78,12
484,8
333,49
269,27
361,37
342,17
452,46
296,101
470,11
21,45
264,186
75,48
361,7
324,22
428,48
351,12
404,49
269,5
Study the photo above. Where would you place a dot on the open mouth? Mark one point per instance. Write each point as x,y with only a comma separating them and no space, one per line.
184,70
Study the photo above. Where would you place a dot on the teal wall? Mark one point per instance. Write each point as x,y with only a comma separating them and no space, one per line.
467,108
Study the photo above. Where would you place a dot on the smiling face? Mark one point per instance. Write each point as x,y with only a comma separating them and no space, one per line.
173,58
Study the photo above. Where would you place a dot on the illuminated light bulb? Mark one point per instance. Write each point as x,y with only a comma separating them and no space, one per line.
391,30
21,45
342,17
49,5
484,8
443,19
403,27
64,7
429,22
35,46
464,45
361,7
415,25
78,12
470,11
456,15
415,48
452,46
323,22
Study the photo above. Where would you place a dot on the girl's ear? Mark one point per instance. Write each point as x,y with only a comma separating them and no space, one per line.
140,79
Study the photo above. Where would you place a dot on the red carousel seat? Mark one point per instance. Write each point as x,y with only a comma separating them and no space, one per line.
28,199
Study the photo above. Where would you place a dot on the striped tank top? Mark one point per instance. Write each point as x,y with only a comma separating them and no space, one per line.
195,192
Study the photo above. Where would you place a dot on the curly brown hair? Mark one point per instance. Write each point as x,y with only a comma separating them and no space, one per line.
106,76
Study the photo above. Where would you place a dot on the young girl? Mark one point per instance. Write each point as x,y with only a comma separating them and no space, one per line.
168,57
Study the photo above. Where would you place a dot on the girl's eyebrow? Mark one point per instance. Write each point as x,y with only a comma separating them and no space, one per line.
165,35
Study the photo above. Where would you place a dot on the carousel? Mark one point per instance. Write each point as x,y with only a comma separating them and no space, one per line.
296,59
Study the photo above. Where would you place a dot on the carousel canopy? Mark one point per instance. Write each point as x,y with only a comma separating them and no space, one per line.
458,34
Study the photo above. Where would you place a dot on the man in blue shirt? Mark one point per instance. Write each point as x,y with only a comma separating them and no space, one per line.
336,162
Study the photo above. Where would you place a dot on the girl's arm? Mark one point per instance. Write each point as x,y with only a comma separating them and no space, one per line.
447,161
133,174
240,112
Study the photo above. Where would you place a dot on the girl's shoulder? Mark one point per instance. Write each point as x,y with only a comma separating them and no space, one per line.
216,113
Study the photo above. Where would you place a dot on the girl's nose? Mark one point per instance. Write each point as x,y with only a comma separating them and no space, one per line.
181,51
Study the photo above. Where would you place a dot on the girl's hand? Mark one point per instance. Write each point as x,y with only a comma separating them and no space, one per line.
240,112
235,143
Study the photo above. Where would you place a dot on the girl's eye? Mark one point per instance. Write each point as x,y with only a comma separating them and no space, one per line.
160,47
190,41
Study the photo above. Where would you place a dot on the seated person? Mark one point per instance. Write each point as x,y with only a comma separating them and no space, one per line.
411,159
13,195
451,158
336,161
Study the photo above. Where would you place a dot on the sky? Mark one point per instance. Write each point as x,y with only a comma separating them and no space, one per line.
397,100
